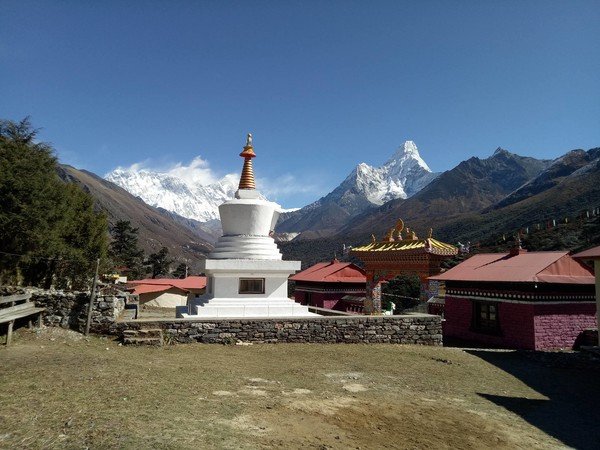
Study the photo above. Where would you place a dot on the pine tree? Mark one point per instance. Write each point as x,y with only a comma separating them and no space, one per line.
124,249
180,271
159,262
49,232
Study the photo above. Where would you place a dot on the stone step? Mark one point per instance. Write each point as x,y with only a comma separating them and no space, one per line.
143,341
150,336
152,332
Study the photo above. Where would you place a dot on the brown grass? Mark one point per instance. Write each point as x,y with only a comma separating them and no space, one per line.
58,390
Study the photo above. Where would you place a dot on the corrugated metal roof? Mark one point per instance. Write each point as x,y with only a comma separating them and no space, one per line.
429,245
150,288
332,272
542,267
590,253
192,282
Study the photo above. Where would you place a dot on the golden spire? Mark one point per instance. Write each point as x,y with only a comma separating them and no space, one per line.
247,178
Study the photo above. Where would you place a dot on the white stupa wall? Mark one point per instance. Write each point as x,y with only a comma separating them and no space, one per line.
247,251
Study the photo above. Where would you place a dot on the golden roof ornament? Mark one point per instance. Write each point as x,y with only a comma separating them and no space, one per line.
430,234
247,178
389,237
399,228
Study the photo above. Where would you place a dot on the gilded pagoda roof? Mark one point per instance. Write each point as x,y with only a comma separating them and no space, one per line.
428,245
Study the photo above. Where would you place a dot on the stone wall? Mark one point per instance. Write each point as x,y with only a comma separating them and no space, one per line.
409,329
69,309
560,326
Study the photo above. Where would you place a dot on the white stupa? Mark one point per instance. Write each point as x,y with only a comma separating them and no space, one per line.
246,276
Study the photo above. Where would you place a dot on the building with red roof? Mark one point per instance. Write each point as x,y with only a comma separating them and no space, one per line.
593,254
520,299
325,285
167,292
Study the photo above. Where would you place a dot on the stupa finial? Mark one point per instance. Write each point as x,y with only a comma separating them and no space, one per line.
247,178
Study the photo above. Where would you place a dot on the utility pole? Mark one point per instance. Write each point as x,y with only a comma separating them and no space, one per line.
92,298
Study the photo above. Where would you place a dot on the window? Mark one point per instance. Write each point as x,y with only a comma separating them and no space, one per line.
308,299
252,286
485,317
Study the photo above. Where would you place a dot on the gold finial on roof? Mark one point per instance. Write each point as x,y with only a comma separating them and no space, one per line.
389,237
399,225
399,228
373,239
430,234
247,178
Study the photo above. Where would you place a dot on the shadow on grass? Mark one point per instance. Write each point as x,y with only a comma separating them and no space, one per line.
570,381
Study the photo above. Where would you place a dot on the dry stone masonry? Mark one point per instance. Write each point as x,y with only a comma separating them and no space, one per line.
69,309
420,329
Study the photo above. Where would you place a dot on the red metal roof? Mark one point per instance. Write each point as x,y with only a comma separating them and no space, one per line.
195,282
150,288
541,267
590,253
332,272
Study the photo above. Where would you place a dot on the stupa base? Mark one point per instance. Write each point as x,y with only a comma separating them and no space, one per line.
251,307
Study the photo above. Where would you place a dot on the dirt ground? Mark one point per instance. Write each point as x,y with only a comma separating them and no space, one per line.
61,390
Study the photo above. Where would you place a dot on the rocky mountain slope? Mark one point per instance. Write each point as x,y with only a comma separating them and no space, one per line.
566,189
186,199
470,187
186,240
365,188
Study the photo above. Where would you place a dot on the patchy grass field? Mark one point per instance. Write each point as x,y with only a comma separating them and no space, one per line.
58,390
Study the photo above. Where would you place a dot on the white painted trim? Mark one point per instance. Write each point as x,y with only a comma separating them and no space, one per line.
523,302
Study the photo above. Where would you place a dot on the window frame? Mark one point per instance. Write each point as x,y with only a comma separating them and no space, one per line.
251,291
485,324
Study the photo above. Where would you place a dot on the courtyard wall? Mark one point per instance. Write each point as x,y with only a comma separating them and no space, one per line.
68,309
423,329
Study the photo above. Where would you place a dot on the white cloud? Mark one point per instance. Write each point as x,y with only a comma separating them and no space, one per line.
198,171
285,186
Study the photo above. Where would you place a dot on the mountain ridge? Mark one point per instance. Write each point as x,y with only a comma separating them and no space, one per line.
156,228
365,188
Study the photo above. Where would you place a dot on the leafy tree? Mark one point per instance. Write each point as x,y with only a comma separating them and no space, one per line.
49,231
403,290
124,249
159,263
180,271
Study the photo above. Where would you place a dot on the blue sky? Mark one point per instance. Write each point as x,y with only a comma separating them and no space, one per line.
322,85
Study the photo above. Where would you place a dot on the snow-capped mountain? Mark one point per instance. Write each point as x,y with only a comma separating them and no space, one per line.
191,200
402,176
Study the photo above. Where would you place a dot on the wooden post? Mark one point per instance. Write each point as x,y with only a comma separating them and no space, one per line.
9,333
92,298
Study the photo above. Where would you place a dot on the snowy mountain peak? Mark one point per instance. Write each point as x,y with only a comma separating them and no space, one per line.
408,153
402,176
176,191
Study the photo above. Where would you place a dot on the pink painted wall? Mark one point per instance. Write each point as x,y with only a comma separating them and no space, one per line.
558,326
516,324
321,300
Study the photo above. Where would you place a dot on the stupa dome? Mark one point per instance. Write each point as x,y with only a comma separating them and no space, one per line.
247,220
